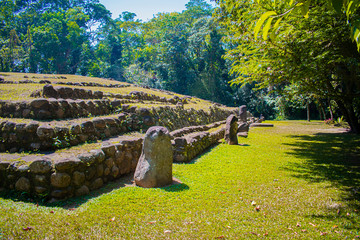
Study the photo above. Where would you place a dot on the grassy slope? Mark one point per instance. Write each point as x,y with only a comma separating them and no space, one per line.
302,184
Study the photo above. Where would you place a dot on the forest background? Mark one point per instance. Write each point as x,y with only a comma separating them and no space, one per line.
202,51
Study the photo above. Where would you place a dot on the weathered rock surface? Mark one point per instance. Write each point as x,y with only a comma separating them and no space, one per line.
60,180
243,129
41,166
23,185
154,168
49,91
231,130
243,113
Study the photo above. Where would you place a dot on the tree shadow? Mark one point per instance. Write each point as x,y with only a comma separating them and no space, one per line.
176,186
330,157
73,202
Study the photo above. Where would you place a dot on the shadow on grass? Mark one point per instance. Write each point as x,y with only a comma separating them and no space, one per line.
176,187
329,157
75,202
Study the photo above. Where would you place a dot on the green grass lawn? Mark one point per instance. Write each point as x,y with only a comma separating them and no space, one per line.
297,180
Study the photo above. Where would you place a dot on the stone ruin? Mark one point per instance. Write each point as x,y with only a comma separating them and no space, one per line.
243,127
70,93
55,177
154,168
62,175
239,127
231,130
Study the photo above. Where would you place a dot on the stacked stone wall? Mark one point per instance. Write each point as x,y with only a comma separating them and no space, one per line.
190,146
70,93
49,109
64,178
75,176
33,136
139,95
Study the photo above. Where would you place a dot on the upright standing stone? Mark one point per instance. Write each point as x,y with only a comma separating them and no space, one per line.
154,168
231,130
243,127
243,113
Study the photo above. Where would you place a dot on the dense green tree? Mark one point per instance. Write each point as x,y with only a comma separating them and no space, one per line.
314,54
181,52
51,33
211,70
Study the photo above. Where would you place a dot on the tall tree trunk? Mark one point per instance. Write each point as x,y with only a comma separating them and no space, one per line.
321,110
349,114
308,110
331,111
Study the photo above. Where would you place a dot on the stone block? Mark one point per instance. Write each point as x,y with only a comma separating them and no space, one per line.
41,166
40,180
23,185
100,170
109,150
88,127
23,169
50,92
87,158
60,180
98,183
45,132
75,129
43,114
99,123
109,162
40,103
64,165
83,190
40,190
61,193
90,173
114,171
78,178
107,171
98,154
32,127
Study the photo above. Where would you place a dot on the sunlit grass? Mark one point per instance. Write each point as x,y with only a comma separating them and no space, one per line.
12,76
17,92
215,197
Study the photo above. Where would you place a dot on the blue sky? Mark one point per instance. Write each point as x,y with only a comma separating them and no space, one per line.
145,9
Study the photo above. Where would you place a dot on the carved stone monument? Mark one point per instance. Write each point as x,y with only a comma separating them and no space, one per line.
154,168
243,113
231,130
243,127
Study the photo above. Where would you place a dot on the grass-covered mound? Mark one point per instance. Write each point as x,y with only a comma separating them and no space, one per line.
296,180
19,86
62,101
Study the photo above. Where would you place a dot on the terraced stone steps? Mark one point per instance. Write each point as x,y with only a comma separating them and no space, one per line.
77,171
35,135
